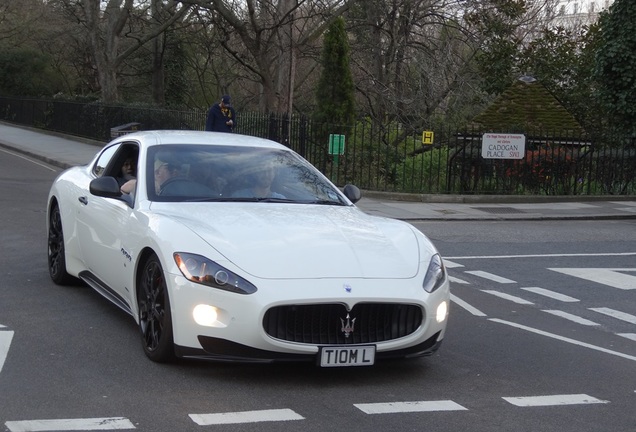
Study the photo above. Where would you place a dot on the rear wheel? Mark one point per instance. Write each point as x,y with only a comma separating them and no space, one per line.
155,319
56,251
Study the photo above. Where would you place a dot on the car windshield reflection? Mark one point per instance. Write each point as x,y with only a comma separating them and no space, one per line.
204,173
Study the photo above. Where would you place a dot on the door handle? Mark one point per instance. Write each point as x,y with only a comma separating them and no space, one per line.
83,200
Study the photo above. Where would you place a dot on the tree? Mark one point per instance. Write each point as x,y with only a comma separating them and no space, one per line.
335,90
25,72
562,59
263,36
616,64
110,47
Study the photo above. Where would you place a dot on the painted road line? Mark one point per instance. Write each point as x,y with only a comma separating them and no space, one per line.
461,303
607,276
569,316
406,407
563,339
631,336
451,264
245,417
553,400
457,280
551,294
563,255
5,342
508,297
615,314
490,276
107,423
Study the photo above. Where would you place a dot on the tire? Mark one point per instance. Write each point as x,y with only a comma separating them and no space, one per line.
155,317
56,250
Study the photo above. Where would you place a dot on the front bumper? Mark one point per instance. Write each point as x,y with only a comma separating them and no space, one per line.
223,350
239,332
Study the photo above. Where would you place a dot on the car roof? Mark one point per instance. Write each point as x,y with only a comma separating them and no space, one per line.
186,137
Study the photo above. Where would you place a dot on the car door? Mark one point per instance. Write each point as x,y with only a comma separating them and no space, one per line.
104,225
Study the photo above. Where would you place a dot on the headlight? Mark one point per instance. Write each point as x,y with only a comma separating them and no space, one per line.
435,275
201,270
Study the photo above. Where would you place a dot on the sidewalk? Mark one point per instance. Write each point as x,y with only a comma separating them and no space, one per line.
65,151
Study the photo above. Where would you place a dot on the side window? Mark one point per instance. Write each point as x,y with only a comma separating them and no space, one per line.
104,159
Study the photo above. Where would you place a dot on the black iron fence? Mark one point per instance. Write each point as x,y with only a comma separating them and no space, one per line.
386,157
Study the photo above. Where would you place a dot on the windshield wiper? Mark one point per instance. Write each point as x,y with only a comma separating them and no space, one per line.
246,199
326,202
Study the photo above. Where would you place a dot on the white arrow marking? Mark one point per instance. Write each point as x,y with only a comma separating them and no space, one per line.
615,277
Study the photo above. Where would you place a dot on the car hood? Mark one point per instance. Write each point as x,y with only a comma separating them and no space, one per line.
289,241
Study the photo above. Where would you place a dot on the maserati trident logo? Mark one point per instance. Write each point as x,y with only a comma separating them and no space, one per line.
348,325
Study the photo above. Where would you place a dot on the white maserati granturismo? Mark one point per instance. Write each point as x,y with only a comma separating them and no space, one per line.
235,248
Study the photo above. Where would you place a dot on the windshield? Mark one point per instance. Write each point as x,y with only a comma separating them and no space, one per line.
183,173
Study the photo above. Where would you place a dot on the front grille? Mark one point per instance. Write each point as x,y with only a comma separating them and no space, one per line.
321,324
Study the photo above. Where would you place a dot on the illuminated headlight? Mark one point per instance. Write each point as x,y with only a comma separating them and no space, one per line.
442,312
435,275
201,270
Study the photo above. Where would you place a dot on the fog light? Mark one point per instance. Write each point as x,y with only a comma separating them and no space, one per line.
442,310
205,315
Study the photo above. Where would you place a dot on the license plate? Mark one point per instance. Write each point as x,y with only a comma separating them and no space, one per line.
340,356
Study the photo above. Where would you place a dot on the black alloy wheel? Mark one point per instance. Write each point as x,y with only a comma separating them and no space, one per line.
56,251
155,318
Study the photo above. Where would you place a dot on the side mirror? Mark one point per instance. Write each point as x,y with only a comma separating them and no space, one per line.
352,192
106,187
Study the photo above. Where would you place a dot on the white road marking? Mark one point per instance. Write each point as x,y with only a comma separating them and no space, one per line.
5,343
461,303
29,159
569,316
606,276
541,255
631,336
551,294
490,276
108,423
405,407
245,417
616,314
573,399
564,339
457,281
451,264
508,297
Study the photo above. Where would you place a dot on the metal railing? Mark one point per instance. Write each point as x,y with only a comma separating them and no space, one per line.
381,157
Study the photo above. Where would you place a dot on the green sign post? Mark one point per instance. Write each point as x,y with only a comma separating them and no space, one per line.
336,146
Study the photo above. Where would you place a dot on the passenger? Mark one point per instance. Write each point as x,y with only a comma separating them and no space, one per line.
261,185
126,178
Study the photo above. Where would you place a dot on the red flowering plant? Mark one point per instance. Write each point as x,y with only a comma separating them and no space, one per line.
548,169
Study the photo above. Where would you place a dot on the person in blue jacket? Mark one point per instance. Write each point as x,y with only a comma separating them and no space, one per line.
221,117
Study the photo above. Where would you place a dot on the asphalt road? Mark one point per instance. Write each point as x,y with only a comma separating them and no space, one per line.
541,337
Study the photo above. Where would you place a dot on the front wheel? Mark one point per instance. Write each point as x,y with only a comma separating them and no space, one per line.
155,318
56,250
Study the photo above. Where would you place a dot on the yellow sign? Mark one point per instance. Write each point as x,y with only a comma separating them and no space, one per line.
427,137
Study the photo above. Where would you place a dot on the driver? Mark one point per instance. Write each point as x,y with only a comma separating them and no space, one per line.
170,182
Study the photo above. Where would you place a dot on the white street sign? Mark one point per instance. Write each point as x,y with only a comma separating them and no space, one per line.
503,146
